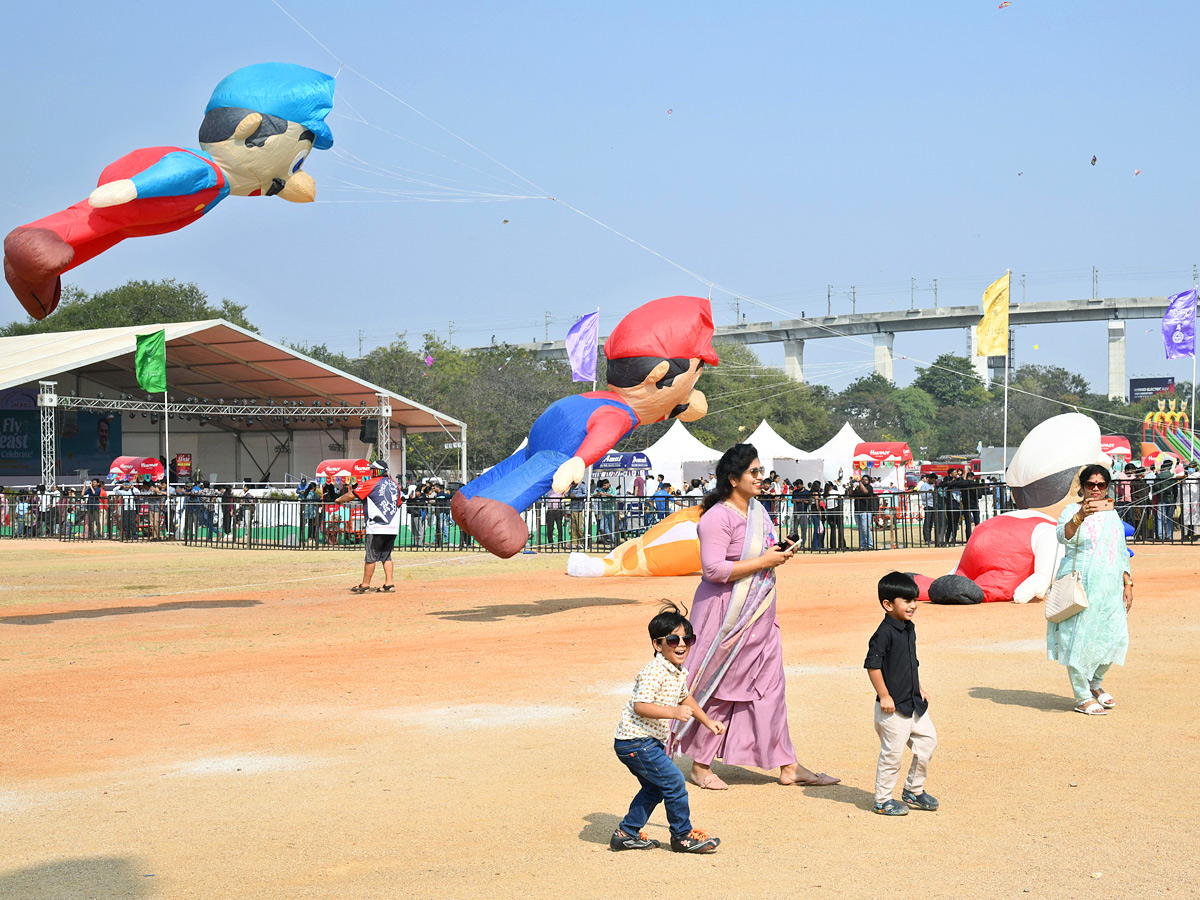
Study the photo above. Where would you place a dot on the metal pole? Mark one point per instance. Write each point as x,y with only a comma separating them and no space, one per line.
383,447
166,468
1007,348
1192,411
47,400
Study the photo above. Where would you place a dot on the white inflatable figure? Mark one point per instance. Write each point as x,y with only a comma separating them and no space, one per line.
1013,556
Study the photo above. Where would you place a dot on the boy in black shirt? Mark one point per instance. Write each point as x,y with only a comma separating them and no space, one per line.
901,705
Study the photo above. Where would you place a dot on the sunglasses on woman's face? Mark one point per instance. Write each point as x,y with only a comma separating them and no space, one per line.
1096,485
757,471
672,640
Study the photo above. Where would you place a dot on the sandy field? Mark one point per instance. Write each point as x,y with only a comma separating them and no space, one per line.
186,723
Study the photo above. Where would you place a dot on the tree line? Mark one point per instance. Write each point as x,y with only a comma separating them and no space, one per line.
499,390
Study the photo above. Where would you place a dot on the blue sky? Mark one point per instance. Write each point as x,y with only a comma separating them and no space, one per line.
807,145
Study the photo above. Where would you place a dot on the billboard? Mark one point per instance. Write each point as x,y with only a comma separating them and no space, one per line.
1141,388
86,440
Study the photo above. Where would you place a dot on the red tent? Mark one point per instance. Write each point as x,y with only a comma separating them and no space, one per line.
126,467
880,453
1112,445
343,470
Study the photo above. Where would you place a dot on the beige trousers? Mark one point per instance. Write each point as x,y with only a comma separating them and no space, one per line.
895,732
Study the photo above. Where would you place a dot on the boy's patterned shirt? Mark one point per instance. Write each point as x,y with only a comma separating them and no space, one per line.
659,683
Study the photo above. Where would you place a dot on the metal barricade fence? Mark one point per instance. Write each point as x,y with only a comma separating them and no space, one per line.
897,520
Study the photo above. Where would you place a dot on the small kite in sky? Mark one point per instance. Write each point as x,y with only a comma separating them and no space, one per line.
1093,160
1137,172
429,359
1004,4
1035,346
669,111
1020,173
505,222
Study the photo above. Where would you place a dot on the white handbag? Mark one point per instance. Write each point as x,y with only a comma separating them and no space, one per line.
1066,597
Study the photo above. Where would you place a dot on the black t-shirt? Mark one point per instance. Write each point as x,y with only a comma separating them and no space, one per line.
893,650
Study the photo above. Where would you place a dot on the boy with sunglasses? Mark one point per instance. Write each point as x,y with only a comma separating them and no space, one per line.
660,694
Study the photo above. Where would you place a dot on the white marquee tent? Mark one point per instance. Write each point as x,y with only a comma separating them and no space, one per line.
677,453
838,452
778,455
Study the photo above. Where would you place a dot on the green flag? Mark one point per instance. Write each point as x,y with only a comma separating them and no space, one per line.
150,362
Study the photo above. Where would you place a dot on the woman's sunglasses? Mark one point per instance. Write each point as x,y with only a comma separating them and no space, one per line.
757,471
1096,485
672,640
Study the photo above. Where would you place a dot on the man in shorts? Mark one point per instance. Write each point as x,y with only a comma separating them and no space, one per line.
380,497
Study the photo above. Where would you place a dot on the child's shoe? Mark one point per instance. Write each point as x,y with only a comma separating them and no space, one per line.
891,808
622,841
696,842
923,800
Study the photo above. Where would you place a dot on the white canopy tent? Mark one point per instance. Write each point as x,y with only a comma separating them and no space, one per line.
838,452
784,458
677,451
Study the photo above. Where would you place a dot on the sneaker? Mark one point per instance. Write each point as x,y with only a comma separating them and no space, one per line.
923,800
696,842
891,808
622,841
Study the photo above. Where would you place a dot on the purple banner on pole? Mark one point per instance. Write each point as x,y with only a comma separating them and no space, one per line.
581,347
1179,325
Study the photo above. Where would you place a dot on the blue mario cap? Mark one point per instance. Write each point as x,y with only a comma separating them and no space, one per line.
286,90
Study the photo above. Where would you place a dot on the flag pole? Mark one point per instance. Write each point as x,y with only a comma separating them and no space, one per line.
1192,411
1007,346
167,467
587,473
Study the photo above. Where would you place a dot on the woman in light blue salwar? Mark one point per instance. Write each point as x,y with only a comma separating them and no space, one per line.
1092,640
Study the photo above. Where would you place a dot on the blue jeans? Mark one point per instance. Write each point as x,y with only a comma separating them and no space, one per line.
864,530
661,782
1164,521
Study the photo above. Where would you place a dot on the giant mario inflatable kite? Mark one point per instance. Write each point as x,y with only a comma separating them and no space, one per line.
259,126
655,355
1013,556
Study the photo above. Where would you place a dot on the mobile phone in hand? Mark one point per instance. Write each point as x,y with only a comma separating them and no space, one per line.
1104,505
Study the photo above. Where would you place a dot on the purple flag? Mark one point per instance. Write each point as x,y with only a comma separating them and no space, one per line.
1179,325
581,347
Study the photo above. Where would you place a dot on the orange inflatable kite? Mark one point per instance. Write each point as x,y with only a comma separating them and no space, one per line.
672,547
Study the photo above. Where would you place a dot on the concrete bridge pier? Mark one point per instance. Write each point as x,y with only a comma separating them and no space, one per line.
793,360
979,364
883,354
1116,359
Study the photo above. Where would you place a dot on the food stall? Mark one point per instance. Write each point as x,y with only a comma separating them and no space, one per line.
344,522
135,468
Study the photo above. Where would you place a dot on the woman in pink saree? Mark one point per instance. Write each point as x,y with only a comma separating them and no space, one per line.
738,678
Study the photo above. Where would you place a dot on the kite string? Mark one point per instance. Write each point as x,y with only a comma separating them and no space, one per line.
705,281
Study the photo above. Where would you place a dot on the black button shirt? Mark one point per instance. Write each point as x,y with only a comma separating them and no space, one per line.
893,650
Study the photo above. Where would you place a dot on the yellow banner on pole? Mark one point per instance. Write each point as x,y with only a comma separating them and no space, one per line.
993,327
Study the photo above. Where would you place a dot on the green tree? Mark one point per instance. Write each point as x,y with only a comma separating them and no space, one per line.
951,381
133,303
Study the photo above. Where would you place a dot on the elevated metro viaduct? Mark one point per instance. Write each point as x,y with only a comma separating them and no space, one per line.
883,326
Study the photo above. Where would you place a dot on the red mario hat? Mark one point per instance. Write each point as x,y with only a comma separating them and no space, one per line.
667,328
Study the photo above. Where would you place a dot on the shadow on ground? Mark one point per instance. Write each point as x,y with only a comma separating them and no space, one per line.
47,618
599,827
109,877
527,610
1055,703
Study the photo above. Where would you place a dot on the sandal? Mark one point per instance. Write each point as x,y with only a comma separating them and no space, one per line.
1091,708
361,589
821,780
710,782
1104,698
388,588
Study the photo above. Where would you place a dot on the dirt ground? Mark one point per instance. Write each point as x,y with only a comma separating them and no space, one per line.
183,723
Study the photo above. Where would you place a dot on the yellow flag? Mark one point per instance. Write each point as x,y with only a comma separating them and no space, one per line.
993,327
